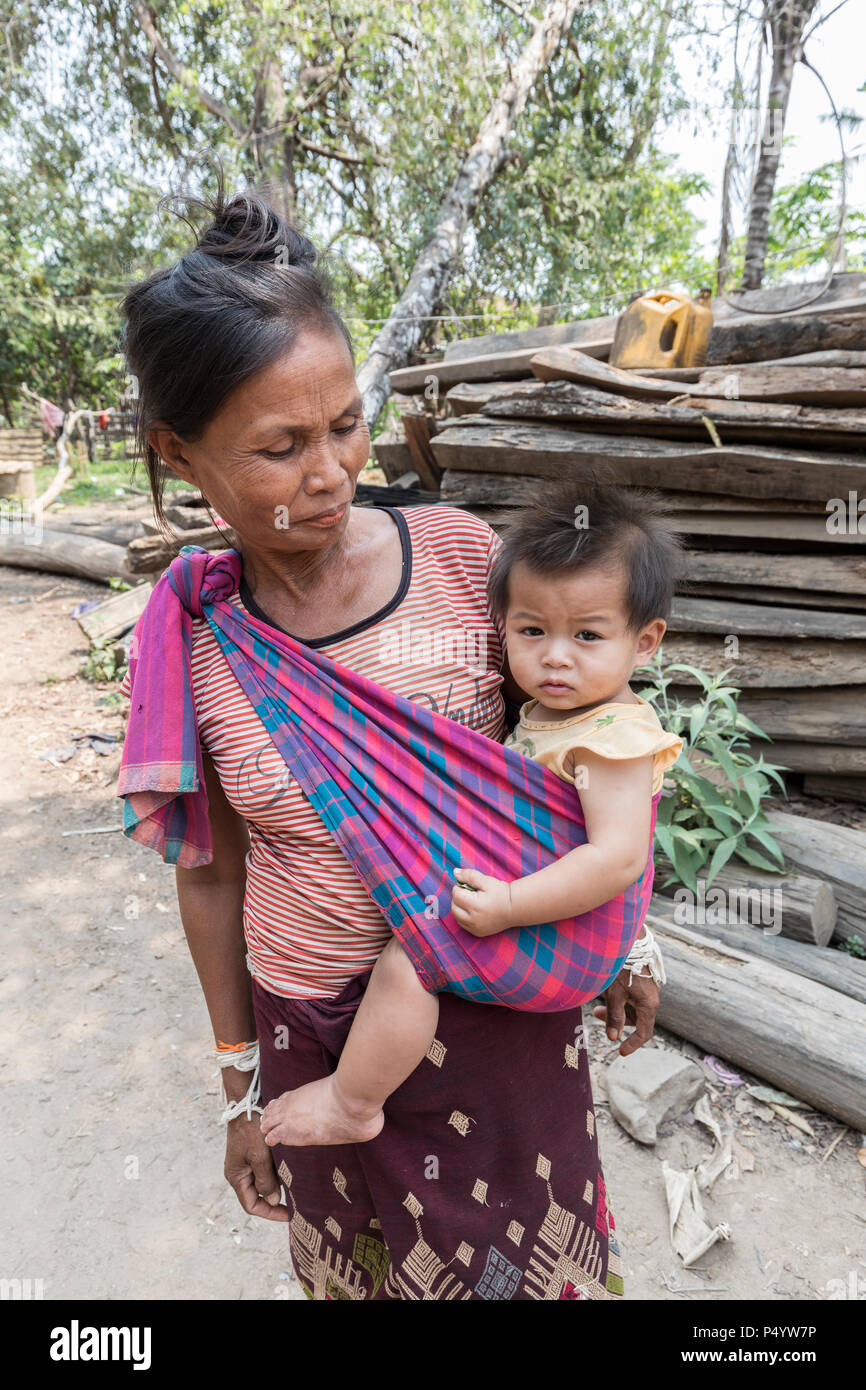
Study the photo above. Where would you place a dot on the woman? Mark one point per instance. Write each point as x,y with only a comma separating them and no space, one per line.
485,1182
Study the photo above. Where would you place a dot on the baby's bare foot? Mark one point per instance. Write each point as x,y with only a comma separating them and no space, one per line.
318,1114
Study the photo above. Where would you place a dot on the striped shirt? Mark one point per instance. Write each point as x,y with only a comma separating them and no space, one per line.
309,923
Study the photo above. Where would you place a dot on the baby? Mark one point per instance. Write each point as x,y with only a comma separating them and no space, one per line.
583,584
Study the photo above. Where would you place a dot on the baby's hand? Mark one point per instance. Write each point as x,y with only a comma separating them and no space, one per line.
483,906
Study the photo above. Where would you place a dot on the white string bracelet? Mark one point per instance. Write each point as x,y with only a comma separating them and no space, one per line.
245,1060
645,952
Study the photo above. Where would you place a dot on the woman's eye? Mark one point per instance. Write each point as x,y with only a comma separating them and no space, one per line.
284,455
347,429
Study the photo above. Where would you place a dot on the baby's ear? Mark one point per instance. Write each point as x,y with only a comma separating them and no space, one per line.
650,638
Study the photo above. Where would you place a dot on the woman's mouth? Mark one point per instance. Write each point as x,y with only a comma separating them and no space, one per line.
327,518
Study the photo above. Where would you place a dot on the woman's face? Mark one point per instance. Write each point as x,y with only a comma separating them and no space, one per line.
286,445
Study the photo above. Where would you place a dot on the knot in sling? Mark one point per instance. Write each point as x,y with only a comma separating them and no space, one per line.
407,794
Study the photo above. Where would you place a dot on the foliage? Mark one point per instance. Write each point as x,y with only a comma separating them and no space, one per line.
102,662
356,114
853,946
714,811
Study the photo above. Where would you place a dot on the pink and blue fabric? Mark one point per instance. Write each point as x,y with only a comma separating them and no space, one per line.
408,795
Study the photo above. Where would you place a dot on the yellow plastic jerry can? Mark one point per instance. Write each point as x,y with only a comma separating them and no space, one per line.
663,330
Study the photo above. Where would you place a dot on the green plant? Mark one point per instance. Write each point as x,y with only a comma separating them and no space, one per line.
102,663
713,810
853,946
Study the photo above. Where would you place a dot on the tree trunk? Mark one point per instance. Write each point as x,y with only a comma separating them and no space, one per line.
432,270
786,20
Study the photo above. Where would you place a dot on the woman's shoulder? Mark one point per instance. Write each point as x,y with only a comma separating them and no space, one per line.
451,540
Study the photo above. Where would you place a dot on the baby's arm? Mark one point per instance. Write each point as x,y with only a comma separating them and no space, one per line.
616,796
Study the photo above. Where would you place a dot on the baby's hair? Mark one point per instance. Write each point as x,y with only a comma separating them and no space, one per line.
582,522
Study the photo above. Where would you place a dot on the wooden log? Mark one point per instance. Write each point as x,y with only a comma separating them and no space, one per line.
603,411
482,444
812,757
799,906
756,530
578,331
762,663
823,386
836,715
759,620
118,613
155,552
829,967
838,854
758,340
827,575
799,1035
840,788
499,366
57,552
391,452
786,598
510,489
741,529
417,427
117,532
570,364
833,357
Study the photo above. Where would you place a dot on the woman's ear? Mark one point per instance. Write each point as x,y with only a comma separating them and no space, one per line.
171,450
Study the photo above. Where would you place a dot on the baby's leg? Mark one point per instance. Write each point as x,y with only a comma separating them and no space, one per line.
391,1033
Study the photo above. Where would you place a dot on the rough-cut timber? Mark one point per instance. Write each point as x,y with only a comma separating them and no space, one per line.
759,341
838,854
829,967
62,552
481,444
758,620
802,907
795,1033
603,411
813,757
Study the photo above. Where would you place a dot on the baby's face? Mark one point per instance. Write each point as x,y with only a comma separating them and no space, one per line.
569,644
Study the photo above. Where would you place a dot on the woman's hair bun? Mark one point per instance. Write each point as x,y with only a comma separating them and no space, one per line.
244,228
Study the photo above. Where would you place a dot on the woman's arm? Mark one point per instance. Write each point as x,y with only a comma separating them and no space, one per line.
211,901
616,797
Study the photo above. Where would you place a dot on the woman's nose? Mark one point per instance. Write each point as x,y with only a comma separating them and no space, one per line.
324,468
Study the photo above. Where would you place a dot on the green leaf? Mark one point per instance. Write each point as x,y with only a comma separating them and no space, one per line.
721,854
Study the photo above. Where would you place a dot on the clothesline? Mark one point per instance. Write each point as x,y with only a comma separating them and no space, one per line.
614,300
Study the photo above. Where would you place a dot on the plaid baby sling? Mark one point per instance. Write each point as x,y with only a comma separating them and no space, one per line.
407,794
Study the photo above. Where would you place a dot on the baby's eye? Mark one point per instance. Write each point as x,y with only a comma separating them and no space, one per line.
529,631
587,636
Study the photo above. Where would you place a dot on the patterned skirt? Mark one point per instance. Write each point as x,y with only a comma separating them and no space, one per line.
485,1182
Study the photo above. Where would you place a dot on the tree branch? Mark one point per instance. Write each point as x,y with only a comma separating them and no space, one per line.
185,76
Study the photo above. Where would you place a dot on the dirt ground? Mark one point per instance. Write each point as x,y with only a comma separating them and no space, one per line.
111,1148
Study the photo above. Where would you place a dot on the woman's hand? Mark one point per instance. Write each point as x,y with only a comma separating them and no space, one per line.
249,1167
484,907
636,1003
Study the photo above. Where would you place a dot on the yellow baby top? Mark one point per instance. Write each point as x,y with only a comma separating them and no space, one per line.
611,731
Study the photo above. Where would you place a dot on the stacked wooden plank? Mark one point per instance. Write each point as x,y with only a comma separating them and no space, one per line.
761,455
20,456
